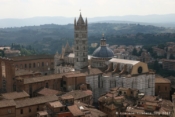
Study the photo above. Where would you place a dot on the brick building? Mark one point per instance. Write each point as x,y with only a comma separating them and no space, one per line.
125,102
162,87
42,63
11,68
7,75
7,108
54,81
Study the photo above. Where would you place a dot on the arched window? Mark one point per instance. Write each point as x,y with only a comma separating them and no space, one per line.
3,69
14,87
29,65
33,65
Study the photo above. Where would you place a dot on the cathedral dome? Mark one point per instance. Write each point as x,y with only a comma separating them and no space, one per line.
103,52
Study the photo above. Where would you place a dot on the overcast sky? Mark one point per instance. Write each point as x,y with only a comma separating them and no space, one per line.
89,8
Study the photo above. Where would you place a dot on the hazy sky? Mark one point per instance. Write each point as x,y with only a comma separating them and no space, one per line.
89,8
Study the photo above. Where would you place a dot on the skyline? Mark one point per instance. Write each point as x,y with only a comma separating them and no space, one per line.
93,8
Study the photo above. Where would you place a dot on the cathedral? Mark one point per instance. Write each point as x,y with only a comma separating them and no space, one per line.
77,56
113,72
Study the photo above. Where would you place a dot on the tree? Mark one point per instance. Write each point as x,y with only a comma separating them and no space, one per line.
134,52
171,56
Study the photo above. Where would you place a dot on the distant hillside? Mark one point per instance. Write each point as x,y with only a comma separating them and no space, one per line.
157,20
50,38
30,34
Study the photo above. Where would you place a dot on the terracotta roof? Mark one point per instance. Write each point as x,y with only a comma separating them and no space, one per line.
15,95
20,72
45,78
77,94
111,106
46,91
151,104
119,97
167,60
75,110
33,57
65,97
55,104
149,98
96,112
42,113
162,80
75,75
91,71
35,101
7,103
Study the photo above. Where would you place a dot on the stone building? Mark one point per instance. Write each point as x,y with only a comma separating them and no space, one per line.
168,64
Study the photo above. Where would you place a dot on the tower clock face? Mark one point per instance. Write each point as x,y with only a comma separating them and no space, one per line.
140,70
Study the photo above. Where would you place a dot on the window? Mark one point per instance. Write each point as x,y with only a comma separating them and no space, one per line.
14,87
38,64
9,111
47,64
158,87
77,48
30,110
25,65
42,64
33,65
77,59
21,111
76,35
84,48
47,85
37,108
165,88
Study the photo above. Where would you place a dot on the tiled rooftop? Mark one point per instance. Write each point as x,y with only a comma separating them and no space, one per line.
35,101
15,95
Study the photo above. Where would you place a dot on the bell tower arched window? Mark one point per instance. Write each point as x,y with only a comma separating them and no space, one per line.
3,69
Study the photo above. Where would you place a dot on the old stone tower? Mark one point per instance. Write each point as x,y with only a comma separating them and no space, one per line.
80,43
